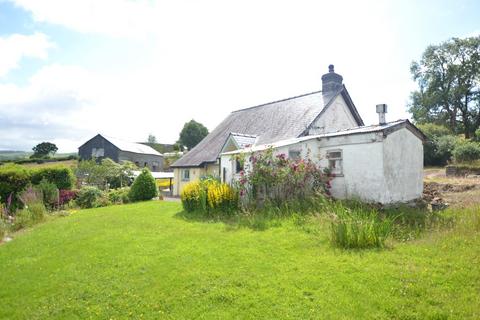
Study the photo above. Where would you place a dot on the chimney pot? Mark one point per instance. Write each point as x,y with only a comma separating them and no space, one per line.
331,68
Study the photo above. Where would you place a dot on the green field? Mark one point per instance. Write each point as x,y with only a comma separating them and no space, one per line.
147,260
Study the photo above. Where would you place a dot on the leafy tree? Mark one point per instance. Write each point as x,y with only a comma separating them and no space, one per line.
44,149
448,77
439,147
106,174
192,133
152,139
144,187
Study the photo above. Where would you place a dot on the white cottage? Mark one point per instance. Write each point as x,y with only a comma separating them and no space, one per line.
328,110
381,163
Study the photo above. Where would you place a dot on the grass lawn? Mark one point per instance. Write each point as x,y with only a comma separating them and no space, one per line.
147,261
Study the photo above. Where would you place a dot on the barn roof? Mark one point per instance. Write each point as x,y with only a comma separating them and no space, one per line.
128,146
270,122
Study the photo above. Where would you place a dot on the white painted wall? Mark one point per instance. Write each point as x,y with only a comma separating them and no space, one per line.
336,117
375,168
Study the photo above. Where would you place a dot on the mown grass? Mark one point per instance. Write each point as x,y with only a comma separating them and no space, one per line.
148,260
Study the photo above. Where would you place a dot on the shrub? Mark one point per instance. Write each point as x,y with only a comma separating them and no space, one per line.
89,197
3,227
438,149
65,196
358,228
119,196
50,193
33,210
467,151
61,176
144,187
13,180
194,197
209,196
29,216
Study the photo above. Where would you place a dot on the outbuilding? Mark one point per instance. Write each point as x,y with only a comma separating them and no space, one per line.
118,150
380,163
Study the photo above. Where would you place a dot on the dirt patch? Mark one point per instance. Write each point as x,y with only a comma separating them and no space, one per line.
437,194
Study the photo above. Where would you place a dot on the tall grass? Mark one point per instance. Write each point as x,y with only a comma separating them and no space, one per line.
358,227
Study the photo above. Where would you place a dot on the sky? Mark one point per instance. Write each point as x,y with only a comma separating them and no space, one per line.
70,69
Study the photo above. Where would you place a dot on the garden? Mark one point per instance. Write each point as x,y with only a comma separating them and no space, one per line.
29,195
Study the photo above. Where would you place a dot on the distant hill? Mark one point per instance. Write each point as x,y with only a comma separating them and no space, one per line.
14,155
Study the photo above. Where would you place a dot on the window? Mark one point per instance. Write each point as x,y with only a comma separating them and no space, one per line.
335,162
294,154
98,152
238,166
185,175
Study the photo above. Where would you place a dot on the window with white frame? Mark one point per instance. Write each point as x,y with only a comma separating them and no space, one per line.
294,154
335,164
185,175
98,152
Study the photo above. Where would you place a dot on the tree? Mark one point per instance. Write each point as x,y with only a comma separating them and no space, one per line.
448,77
151,139
44,149
192,133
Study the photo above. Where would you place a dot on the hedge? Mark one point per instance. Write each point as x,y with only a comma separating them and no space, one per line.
61,176
15,178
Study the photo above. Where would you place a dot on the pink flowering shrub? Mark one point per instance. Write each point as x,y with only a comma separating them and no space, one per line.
65,196
277,178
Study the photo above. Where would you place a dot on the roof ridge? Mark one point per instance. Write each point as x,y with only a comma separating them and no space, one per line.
244,134
281,100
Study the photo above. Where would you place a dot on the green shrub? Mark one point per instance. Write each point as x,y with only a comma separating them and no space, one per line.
438,149
3,226
29,215
90,197
119,196
358,228
61,176
144,187
13,180
50,193
467,151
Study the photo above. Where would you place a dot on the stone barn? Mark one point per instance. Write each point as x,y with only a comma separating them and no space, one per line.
100,147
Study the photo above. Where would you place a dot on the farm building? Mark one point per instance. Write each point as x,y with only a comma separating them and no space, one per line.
328,110
381,163
118,150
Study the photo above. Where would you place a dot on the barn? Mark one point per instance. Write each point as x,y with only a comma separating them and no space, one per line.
102,146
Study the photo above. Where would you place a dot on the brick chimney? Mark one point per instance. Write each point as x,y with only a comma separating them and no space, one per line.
331,83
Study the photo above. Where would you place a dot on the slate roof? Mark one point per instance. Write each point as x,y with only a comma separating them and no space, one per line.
386,128
270,122
130,146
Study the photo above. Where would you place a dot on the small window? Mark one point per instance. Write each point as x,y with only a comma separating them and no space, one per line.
185,175
238,166
294,154
335,162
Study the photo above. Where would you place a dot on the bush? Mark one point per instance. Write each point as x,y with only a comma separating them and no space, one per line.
50,193
61,176
29,216
119,196
358,228
467,151
441,142
3,227
144,187
90,197
13,180
209,196
65,196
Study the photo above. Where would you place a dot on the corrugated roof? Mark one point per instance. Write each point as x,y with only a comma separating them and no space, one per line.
243,140
352,131
270,122
132,146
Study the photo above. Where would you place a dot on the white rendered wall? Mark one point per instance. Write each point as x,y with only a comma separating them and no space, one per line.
403,166
336,117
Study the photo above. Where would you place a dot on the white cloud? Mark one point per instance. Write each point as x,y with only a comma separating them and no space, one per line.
17,46
110,17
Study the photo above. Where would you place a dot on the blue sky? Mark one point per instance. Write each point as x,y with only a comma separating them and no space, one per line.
70,69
